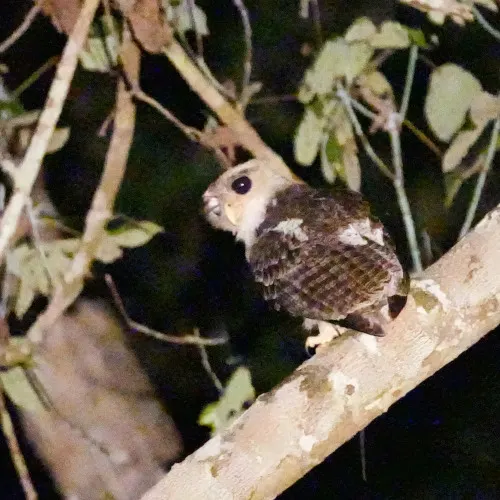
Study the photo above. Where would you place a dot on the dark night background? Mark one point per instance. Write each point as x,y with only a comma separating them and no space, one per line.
440,441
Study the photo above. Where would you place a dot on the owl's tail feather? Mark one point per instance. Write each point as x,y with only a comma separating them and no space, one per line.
371,323
373,320
396,304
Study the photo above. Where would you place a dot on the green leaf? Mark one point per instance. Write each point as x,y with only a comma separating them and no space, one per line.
392,35
308,137
134,234
376,82
489,4
331,155
108,251
58,139
179,15
460,146
417,37
350,169
451,92
484,107
361,30
19,389
337,59
238,392
100,53
26,263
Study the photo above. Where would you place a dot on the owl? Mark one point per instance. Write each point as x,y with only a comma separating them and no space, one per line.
316,253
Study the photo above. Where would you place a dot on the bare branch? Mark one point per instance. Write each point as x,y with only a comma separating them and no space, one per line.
21,29
190,132
344,387
30,166
247,30
163,337
404,205
101,209
199,39
484,23
15,451
492,148
246,134
206,364
347,100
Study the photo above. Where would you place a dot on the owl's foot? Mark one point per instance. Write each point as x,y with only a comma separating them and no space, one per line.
326,332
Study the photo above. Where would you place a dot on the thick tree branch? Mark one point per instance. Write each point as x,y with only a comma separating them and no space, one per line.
224,110
344,387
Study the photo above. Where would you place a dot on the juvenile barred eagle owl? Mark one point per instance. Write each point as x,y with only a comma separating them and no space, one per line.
316,254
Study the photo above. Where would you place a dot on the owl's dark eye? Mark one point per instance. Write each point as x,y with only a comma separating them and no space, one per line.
241,185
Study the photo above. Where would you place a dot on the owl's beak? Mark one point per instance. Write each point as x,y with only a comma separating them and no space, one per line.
211,205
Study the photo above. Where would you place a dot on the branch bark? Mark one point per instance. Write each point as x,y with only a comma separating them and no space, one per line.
344,387
28,170
103,200
225,111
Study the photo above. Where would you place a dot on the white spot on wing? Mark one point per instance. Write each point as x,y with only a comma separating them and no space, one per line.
351,236
358,232
291,227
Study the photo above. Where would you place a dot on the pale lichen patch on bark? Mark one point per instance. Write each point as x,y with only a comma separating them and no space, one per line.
369,342
342,384
315,382
428,295
307,442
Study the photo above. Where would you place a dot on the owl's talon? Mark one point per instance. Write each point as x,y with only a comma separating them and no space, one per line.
326,333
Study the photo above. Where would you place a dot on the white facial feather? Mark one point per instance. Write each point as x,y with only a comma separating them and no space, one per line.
243,212
253,216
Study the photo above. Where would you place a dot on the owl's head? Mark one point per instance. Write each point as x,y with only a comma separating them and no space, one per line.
238,199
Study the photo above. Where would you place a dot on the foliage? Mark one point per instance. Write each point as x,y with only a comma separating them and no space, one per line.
40,267
238,394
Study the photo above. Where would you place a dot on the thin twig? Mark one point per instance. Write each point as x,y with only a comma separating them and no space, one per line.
484,22
363,109
316,17
30,166
410,73
228,114
362,453
272,99
34,77
206,364
103,200
191,133
471,211
37,241
21,29
398,182
247,30
423,138
347,102
199,39
394,128
164,337
15,451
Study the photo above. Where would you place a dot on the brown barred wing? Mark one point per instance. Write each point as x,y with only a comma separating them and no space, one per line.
329,283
